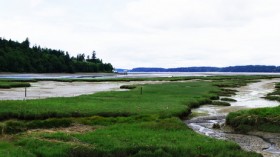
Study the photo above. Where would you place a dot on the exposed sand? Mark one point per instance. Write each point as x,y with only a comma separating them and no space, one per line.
45,89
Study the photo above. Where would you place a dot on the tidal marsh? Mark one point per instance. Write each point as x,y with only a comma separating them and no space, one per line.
123,123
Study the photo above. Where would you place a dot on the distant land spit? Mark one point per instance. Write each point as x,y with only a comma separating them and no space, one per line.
245,68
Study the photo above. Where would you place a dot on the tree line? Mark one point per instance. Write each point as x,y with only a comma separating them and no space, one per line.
20,57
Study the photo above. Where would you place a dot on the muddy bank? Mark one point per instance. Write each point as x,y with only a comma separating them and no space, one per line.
265,143
45,89
247,97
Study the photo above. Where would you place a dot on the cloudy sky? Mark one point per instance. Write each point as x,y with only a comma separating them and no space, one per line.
151,33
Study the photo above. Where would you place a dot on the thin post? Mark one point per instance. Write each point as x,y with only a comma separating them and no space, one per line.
141,91
25,91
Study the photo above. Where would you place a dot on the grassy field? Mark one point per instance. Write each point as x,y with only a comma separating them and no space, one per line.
125,123
162,137
262,119
171,99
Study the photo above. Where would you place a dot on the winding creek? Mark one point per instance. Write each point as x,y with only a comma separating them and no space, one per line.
250,96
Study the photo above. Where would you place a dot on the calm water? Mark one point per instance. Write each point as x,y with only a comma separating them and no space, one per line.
129,75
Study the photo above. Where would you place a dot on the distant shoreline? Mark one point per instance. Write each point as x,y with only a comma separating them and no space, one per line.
129,75
243,68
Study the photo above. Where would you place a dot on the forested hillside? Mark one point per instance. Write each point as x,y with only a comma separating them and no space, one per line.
20,57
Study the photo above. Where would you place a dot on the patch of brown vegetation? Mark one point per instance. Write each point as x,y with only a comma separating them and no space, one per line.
76,128
5,137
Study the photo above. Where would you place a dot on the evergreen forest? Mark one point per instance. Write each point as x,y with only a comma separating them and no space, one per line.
22,58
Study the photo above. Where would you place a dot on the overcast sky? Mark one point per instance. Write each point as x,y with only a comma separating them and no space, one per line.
151,33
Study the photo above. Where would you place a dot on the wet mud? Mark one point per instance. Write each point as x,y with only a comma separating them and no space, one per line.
250,96
46,89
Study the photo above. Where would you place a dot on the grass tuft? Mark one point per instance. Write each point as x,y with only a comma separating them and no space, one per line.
220,103
228,99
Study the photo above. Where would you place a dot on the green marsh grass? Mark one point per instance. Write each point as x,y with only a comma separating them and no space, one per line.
168,99
8,149
262,119
163,137
128,86
275,95
10,84
220,103
123,123
228,99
